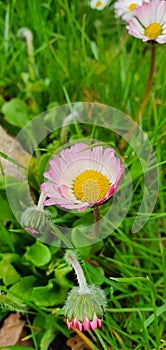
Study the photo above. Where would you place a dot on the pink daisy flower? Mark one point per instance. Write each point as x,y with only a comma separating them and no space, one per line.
126,8
85,311
80,177
149,22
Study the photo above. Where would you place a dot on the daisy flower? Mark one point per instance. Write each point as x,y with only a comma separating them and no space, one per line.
85,311
85,305
149,22
126,8
80,177
98,4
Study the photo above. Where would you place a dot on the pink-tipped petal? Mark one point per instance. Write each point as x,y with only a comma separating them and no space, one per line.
99,323
86,324
64,191
68,324
79,325
74,323
94,322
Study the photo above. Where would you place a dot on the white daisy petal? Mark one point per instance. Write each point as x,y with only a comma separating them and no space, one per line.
126,8
99,4
91,176
149,22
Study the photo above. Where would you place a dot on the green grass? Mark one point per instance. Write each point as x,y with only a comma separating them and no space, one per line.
83,55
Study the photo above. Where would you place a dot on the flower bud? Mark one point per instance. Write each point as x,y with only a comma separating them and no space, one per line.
85,310
36,220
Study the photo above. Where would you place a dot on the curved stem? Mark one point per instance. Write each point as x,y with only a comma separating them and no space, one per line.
71,259
148,84
145,96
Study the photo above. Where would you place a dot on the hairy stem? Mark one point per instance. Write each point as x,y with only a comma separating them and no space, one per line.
71,259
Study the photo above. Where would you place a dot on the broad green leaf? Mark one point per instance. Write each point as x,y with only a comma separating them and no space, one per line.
16,112
5,210
6,237
49,295
24,287
60,274
39,254
8,272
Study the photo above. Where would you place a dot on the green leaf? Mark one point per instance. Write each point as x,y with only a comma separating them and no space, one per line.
11,160
48,295
9,302
136,170
47,338
96,274
38,254
9,181
86,252
37,86
42,165
24,287
16,112
151,318
6,237
2,100
8,272
5,210
60,274
88,218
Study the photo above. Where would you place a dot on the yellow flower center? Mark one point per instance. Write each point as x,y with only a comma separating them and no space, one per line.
99,3
132,7
90,186
153,31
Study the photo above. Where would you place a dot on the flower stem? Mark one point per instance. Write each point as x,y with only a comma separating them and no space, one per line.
96,216
41,201
71,259
148,84
145,96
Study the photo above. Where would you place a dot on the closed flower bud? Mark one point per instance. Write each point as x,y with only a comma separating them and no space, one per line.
36,220
85,310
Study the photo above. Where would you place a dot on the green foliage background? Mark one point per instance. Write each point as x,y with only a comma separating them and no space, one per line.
82,55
